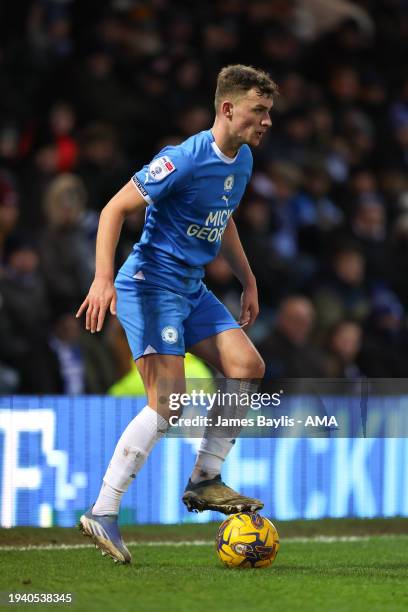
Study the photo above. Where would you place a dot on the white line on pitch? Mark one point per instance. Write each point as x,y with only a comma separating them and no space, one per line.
304,540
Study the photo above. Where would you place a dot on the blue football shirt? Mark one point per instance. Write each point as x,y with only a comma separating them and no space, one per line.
191,189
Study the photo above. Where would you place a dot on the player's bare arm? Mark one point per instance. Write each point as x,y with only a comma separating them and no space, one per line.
233,252
102,294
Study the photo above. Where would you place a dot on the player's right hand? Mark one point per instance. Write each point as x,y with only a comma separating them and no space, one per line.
100,298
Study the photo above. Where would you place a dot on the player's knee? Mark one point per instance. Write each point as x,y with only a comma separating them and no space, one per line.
258,367
250,365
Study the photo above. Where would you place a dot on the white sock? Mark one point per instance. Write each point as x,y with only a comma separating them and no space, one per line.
213,450
131,452
211,456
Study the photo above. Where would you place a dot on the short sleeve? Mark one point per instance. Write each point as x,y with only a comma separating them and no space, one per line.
169,171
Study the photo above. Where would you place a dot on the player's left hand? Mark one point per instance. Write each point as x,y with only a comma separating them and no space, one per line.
249,305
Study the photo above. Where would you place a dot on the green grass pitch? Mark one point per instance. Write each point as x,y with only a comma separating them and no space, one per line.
325,565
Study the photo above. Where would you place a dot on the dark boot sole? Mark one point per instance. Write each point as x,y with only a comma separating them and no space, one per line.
194,503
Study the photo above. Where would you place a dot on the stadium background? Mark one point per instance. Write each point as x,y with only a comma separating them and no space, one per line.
88,95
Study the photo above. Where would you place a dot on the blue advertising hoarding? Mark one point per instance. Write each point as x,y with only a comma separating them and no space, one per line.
54,452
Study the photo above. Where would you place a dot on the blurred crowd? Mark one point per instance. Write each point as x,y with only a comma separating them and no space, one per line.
90,92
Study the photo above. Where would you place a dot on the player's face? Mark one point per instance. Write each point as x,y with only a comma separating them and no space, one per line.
250,117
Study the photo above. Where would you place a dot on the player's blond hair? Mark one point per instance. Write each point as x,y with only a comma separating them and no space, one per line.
235,80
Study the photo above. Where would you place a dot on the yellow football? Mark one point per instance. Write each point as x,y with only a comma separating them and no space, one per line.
247,540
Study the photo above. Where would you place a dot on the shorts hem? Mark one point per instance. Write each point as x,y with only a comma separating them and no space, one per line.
139,355
215,333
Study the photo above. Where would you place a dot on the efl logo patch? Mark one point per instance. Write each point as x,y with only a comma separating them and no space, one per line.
169,334
160,168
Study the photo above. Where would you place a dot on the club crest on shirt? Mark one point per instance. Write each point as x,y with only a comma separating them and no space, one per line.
169,334
229,182
160,168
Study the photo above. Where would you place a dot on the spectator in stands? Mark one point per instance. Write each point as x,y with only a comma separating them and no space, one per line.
369,228
343,292
97,89
66,250
294,144
398,258
289,216
82,363
398,150
343,348
384,351
288,351
25,316
9,208
102,165
187,89
37,175
254,224
323,214
61,126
